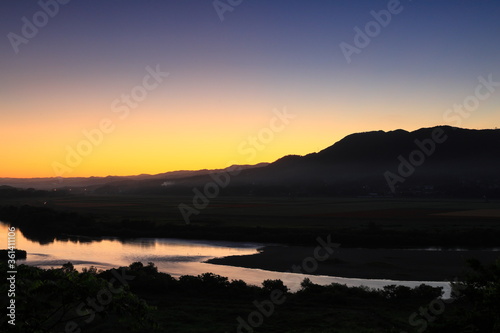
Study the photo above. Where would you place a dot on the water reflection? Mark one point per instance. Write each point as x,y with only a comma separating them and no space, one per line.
142,242
173,256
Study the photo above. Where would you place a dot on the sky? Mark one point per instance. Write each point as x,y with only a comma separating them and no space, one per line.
124,87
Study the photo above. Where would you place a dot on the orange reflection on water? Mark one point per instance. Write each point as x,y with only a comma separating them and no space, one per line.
107,253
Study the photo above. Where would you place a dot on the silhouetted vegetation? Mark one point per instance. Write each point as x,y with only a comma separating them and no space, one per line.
19,254
477,306
138,298
44,224
59,300
13,192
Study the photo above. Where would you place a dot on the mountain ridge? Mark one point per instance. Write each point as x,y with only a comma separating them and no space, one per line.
357,164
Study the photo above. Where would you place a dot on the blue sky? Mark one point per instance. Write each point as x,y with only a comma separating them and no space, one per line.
227,76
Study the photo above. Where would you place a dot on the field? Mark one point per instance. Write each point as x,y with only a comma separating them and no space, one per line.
268,212
354,222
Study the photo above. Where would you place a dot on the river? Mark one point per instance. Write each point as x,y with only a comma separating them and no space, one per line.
173,256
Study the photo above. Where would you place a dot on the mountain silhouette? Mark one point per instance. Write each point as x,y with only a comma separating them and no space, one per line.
436,161
365,163
462,162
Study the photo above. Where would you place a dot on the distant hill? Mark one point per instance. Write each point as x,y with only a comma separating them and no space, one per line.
437,161
95,182
448,161
369,163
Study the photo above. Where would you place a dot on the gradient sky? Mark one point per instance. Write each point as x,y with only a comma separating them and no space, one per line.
226,78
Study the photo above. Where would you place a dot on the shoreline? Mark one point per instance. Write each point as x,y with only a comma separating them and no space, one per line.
385,264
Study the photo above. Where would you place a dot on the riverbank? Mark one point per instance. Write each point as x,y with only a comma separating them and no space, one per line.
392,264
354,222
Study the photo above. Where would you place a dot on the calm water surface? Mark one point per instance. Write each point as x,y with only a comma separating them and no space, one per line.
173,256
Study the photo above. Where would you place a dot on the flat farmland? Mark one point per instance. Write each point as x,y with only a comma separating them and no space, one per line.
277,212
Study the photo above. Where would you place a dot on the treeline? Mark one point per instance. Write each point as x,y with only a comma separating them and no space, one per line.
64,300
43,224
139,298
13,192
